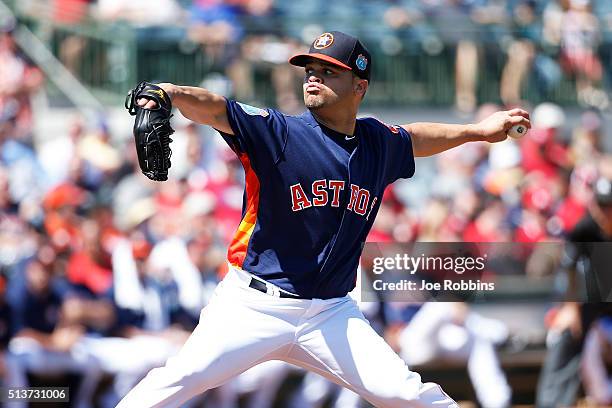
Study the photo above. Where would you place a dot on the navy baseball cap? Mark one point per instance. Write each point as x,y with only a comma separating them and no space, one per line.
338,49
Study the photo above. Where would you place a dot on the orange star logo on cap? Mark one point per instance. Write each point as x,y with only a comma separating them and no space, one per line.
324,41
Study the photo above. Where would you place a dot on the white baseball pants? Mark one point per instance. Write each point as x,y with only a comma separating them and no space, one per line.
242,327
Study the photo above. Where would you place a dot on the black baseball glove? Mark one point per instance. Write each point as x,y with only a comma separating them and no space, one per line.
152,130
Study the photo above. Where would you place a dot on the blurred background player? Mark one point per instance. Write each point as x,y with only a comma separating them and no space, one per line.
586,264
450,331
46,339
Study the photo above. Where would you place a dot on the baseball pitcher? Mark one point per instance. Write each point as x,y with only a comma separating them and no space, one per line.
314,183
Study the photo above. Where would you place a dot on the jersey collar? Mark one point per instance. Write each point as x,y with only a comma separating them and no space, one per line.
309,118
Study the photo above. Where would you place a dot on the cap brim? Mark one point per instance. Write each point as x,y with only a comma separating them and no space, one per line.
301,60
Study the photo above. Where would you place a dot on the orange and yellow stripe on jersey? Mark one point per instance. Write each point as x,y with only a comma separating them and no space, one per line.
239,245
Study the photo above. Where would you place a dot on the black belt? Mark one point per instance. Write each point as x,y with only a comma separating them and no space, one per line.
263,287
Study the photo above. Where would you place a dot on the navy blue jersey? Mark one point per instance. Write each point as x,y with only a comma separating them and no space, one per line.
40,312
310,197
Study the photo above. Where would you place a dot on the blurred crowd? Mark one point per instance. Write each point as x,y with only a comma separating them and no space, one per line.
532,45
104,272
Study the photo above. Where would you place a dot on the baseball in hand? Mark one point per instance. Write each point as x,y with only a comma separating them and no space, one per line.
517,131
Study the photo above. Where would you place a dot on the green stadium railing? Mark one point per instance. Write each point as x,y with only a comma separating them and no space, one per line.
107,63
116,56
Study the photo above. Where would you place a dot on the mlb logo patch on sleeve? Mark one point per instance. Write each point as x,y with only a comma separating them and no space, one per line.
252,110
392,128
